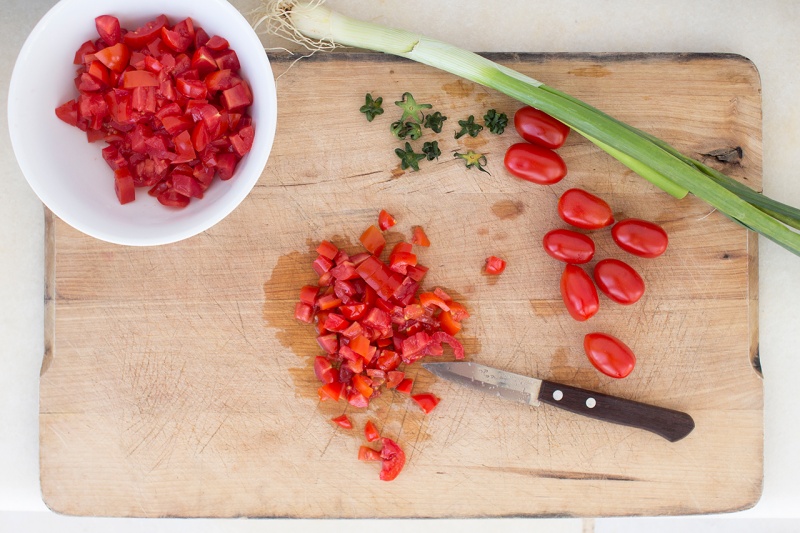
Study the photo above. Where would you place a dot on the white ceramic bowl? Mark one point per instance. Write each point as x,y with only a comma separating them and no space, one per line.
70,176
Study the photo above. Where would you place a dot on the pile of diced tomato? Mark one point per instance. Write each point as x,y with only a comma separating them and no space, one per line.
169,101
372,321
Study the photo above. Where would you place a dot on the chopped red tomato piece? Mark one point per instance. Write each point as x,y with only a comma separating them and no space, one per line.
323,370
237,97
343,421
114,57
303,312
331,391
363,385
217,43
373,240
426,401
109,29
68,112
360,345
449,324
385,220
405,386
394,378
365,453
371,432
494,266
393,459
146,34
419,237
87,49
429,299
327,249
123,185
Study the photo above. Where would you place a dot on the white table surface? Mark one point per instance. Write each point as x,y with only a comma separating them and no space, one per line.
765,31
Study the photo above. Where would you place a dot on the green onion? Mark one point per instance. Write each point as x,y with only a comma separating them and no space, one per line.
318,27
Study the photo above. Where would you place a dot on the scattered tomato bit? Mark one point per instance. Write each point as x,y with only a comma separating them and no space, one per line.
419,237
405,386
385,220
393,459
426,401
494,266
343,421
365,453
371,432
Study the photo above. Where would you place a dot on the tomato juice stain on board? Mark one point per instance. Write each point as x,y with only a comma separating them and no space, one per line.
459,88
570,366
508,209
474,143
281,293
592,71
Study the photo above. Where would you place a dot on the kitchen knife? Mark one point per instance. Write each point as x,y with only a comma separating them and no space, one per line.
672,425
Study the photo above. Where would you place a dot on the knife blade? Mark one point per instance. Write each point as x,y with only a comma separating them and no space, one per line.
667,423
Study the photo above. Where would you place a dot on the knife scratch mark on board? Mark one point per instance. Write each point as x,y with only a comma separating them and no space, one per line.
556,474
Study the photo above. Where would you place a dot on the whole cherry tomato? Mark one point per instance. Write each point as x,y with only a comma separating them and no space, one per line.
640,237
584,210
619,281
578,292
568,246
535,163
609,355
540,128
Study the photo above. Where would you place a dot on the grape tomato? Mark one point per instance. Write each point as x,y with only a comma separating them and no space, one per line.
640,237
584,210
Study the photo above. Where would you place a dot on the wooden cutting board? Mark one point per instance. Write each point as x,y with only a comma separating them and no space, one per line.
176,382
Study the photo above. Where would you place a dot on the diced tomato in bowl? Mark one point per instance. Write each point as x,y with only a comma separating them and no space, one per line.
107,75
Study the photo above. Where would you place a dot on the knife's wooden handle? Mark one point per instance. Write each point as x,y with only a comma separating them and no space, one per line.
672,425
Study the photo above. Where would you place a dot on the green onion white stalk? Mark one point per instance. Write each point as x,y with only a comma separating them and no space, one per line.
318,27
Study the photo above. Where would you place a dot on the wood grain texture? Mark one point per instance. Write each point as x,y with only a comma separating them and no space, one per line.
178,384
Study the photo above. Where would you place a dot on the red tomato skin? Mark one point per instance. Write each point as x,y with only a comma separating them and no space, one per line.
123,186
146,34
373,240
609,355
108,29
584,210
385,220
426,401
419,237
393,459
371,432
493,266
640,237
535,164
540,128
568,246
619,281
343,421
365,453
579,294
